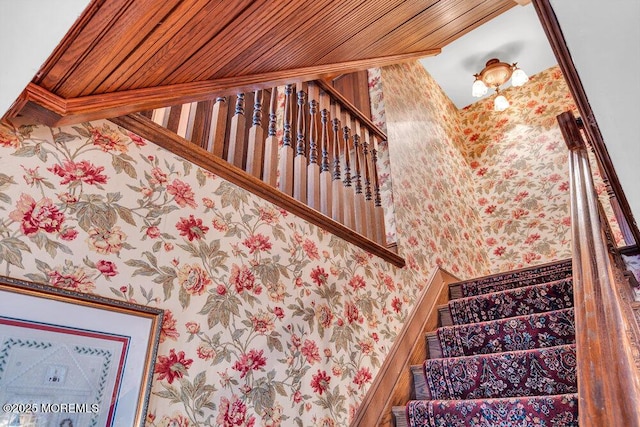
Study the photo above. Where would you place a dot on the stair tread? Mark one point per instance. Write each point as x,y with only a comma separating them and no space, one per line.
537,330
516,373
513,302
523,277
528,411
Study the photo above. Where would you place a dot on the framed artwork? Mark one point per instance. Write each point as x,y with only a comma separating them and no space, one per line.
73,360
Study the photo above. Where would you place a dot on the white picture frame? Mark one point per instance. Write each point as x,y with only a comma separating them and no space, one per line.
69,359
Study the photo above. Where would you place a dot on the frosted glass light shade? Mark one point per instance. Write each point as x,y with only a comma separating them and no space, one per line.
500,103
479,89
519,77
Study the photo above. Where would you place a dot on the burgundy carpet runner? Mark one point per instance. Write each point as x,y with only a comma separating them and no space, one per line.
508,360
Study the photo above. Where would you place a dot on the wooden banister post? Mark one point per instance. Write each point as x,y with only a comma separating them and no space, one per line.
236,152
348,199
255,147
368,194
359,201
325,166
215,143
286,151
313,169
381,235
270,170
202,123
300,160
608,386
337,186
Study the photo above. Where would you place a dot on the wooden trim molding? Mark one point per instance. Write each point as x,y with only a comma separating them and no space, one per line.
206,160
114,104
559,46
394,384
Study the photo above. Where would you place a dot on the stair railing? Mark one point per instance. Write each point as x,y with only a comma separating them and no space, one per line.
608,385
326,159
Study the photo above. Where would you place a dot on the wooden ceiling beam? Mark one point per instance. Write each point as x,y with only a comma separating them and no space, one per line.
102,106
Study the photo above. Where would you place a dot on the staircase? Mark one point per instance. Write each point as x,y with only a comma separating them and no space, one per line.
504,354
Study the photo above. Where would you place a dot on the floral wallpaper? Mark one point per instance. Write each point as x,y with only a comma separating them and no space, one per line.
430,174
268,321
520,165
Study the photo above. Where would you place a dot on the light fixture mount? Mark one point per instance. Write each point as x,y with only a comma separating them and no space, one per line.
495,74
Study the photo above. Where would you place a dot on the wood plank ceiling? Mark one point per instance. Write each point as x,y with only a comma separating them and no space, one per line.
124,56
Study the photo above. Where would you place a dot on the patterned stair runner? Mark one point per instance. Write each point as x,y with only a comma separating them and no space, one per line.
537,330
512,302
509,358
535,411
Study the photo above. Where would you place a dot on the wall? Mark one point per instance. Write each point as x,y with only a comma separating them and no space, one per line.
520,165
604,41
286,324
432,185
519,160
23,52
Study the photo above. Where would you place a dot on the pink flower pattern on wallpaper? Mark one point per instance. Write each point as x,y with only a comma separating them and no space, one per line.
516,162
519,161
268,319
435,179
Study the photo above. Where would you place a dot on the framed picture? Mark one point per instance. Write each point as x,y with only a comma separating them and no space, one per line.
73,360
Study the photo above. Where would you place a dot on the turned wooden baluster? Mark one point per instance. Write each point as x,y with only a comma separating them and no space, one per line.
160,116
368,194
202,123
255,147
348,199
337,189
325,168
286,151
270,171
215,142
313,169
300,161
187,120
379,212
173,120
359,201
236,134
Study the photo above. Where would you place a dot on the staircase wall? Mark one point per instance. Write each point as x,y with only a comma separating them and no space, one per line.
432,184
305,319
515,162
519,161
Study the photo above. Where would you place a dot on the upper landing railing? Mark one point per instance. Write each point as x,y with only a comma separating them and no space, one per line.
302,146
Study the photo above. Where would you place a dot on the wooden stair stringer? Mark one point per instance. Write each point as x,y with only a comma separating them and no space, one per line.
393,385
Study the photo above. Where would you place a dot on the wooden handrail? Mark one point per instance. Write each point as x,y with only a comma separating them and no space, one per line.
346,105
608,386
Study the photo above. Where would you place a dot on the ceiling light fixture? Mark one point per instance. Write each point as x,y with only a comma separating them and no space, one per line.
494,75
